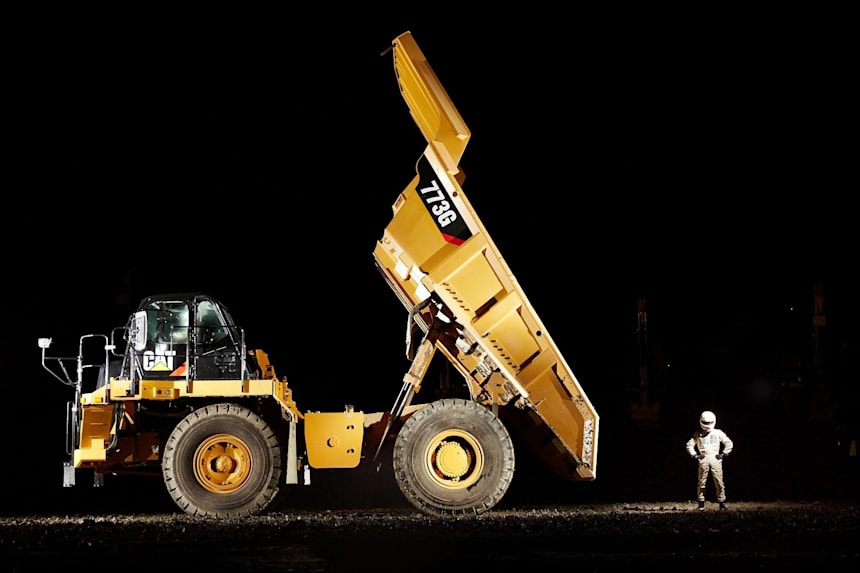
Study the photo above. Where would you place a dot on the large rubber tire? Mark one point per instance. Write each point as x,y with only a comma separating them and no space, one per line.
453,457
222,461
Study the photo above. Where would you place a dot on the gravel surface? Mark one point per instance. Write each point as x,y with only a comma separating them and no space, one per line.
784,536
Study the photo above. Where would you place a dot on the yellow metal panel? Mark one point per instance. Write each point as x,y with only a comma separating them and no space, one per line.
97,396
428,102
414,233
173,389
119,389
96,422
467,275
89,455
536,370
512,342
159,390
256,387
334,439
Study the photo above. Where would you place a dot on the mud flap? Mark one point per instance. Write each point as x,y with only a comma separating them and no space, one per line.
68,474
292,476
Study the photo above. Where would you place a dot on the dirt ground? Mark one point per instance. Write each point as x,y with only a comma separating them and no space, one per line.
769,536
360,521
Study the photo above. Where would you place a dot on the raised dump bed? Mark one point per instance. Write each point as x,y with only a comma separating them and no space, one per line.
436,254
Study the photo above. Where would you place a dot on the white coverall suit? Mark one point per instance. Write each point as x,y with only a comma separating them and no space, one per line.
710,445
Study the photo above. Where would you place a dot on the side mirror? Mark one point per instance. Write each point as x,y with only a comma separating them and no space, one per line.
138,330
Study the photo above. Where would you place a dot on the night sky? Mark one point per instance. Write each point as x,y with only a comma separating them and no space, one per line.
702,163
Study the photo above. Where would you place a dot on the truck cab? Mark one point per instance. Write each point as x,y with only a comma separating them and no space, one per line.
183,336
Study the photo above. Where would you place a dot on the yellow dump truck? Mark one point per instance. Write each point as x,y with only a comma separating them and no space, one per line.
176,393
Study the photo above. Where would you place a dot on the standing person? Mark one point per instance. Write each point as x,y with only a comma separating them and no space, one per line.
710,446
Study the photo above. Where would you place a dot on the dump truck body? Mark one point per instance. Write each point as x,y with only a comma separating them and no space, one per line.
176,393
436,249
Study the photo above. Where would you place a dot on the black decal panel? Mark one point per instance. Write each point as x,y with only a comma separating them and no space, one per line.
439,204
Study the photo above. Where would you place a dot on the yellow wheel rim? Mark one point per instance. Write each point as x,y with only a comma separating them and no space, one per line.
222,463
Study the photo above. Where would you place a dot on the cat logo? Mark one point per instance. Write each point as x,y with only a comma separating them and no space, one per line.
160,360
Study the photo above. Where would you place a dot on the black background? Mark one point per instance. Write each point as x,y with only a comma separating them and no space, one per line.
700,160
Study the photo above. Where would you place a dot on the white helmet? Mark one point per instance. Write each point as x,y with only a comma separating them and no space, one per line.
708,420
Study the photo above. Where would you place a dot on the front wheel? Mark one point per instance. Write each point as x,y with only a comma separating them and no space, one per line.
222,461
453,457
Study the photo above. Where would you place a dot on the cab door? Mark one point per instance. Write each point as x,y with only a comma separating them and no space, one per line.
164,354
217,343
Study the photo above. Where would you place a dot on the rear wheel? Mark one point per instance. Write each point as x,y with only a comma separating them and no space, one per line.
453,457
222,461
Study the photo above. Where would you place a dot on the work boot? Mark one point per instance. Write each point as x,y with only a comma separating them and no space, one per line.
722,505
701,505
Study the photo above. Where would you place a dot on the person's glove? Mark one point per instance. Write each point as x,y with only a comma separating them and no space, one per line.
699,457
720,456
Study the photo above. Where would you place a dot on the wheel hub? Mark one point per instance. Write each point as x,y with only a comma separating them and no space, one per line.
452,460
